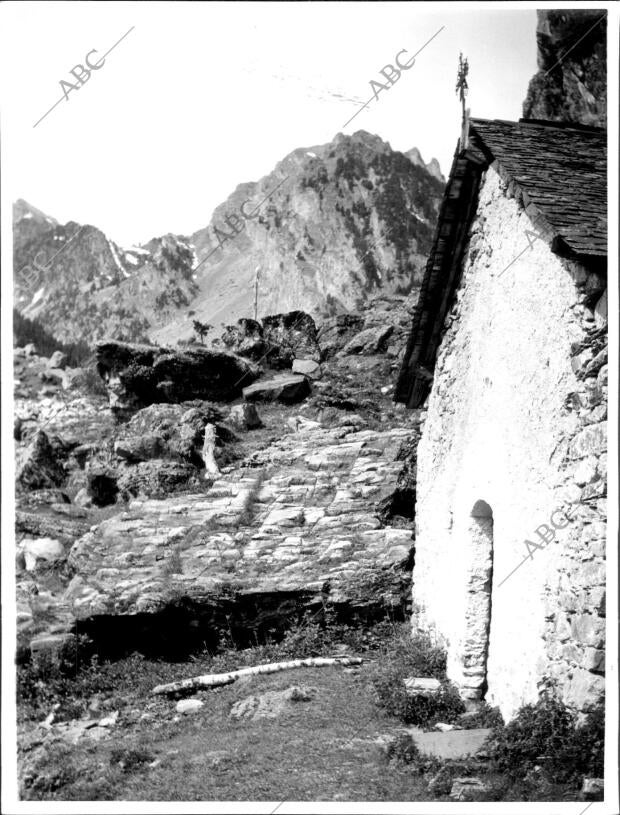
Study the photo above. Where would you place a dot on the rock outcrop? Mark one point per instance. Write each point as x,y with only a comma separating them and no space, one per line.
571,83
286,388
140,375
278,339
40,466
260,546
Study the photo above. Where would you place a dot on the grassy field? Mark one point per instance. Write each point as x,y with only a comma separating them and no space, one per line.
328,748
317,750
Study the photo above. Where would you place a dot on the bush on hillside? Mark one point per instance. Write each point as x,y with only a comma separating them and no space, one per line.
547,735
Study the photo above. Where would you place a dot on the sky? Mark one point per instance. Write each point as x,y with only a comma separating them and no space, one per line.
198,98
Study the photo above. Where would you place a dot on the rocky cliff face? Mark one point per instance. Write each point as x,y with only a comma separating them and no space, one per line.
339,222
82,286
330,227
571,84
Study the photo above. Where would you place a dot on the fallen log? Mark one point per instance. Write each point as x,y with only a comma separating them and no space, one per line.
216,680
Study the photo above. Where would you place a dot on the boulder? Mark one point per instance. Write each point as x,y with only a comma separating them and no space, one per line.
140,448
139,375
271,704
593,789
245,338
369,341
300,423
336,331
307,367
170,431
40,466
288,389
51,645
46,549
415,685
244,417
288,337
43,498
83,499
470,789
157,478
30,350
57,360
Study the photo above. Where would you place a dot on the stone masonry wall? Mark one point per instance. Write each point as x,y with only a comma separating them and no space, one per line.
516,421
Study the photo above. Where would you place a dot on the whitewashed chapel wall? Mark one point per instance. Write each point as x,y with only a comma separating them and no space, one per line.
516,419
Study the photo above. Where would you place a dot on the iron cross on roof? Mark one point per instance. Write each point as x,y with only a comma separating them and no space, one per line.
461,81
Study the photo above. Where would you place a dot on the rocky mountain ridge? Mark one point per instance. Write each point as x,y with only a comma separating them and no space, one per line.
331,226
571,83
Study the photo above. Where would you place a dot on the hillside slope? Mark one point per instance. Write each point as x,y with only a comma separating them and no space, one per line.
328,228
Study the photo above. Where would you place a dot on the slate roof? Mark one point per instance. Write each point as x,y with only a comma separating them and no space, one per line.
560,168
557,171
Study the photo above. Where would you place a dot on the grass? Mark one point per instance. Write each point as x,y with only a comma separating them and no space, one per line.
321,750
348,744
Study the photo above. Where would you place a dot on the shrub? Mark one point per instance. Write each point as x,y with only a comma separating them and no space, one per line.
484,716
422,709
129,759
546,735
415,656
90,382
402,748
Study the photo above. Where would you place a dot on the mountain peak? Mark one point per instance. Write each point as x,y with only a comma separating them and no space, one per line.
432,167
23,210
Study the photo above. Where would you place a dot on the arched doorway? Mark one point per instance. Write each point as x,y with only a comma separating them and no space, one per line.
479,601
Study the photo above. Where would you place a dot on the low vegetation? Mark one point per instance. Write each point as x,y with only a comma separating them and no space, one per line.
330,750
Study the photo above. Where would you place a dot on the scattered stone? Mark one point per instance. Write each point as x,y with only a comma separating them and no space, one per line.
415,685
300,423
307,367
593,789
288,337
244,417
83,499
57,360
40,466
110,720
271,704
336,331
369,341
139,375
245,338
157,478
284,388
189,706
469,789
50,644
47,549
139,448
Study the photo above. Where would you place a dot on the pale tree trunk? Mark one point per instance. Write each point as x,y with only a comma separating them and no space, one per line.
214,680
208,452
